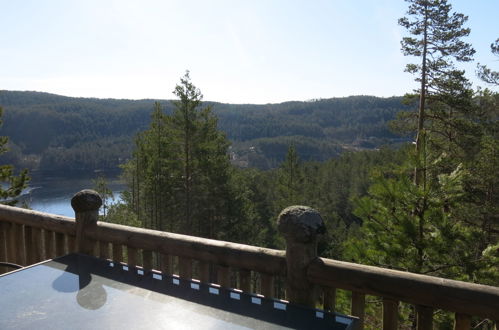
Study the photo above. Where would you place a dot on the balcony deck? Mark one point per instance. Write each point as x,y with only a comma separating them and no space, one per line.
27,237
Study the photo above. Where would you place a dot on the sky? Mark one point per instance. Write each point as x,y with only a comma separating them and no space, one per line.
237,51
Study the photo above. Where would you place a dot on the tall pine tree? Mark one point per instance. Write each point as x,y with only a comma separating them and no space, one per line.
436,40
180,173
290,181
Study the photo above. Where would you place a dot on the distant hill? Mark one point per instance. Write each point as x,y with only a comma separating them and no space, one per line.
50,131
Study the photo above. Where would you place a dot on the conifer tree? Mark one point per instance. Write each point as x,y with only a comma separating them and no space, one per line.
102,187
486,74
202,167
436,39
432,225
290,180
181,170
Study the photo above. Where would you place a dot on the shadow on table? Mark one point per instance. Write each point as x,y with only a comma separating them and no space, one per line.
91,294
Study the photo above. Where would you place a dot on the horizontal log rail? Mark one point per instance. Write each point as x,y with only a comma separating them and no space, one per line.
203,249
28,236
456,296
36,219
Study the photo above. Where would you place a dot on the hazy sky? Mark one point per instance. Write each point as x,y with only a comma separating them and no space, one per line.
252,51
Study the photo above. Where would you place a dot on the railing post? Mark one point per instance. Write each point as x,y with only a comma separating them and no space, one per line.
86,204
300,226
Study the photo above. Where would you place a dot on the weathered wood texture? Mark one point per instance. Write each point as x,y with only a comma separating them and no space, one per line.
36,245
329,298
457,296
49,244
202,249
204,272
224,276
390,314
358,307
3,245
86,204
83,243
166,264
462,322
245,280
185,268
425,318
131,256
71,246
3,240
21,247
17,241
147,262
10,243
60,244
267,284
37,219
104,250
117,252
28,245
300,226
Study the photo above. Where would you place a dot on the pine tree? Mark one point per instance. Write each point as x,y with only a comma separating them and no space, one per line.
290,180
409,227
148,176
180,172
102,187
436,41
202,166
486,74
439,219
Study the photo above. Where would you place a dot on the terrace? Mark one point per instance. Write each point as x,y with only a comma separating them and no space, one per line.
28,237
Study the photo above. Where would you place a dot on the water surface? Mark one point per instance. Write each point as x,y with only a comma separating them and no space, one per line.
52,193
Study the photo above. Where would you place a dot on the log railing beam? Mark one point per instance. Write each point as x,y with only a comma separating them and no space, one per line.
416,289
195,248
36,219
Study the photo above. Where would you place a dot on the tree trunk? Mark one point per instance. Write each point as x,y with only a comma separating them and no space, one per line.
420,171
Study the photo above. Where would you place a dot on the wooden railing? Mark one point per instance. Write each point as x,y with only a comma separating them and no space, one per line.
27,237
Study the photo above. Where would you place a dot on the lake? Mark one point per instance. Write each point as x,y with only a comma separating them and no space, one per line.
52,193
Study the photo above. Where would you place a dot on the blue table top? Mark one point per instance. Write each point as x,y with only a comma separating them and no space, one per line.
82,292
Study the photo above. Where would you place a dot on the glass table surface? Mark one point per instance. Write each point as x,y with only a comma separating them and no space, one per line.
82,292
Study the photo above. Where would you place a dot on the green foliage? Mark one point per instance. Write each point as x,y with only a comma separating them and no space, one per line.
290,180
102,187
436,39
180,175
407,226
440,218
121,214
487,74
51,132
11,185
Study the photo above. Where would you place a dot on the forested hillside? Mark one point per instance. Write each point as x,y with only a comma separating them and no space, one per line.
49,131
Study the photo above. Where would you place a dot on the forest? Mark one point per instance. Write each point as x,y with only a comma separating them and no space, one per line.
406,183
51,132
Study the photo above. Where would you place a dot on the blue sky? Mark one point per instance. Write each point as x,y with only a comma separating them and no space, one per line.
252,51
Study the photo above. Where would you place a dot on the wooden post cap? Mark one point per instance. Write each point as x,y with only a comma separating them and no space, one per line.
86,200
300,223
